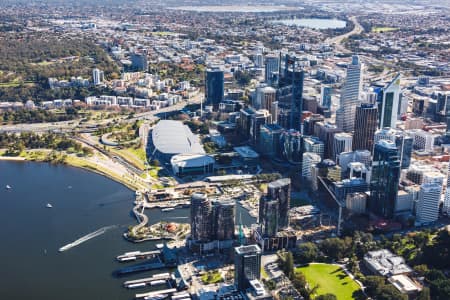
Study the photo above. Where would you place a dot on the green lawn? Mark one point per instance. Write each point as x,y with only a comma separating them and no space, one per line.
211,277
331,279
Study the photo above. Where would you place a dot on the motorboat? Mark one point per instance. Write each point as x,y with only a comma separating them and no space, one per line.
49,205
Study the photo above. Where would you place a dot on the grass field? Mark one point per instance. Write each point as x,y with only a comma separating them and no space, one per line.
331,279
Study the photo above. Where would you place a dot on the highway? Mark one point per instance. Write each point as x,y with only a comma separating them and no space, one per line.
337,40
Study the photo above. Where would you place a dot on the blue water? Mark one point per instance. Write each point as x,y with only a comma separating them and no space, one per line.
31,234
314,23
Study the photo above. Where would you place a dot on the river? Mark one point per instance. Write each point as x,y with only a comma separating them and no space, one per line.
313,23
31,234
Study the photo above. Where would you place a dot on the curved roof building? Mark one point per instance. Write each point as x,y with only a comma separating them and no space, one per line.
173,137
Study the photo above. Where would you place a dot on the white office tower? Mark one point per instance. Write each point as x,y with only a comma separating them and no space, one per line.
342,142
265,96
309,159
350,96
391,102
272,64
446,207
97,76
427,209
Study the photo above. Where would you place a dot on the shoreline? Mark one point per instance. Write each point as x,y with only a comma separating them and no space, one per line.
71,163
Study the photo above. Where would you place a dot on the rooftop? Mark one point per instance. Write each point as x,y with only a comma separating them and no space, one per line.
250,249
173,137
279,183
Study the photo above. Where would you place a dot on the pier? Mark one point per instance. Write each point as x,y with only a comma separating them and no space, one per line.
155,264
155,293
132,256
154,280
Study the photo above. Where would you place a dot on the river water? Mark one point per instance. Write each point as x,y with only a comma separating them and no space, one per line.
31,234
313,23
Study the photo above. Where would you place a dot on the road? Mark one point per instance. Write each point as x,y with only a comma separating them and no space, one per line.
69,126
337,40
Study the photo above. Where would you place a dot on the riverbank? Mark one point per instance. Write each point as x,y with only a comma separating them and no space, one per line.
96,163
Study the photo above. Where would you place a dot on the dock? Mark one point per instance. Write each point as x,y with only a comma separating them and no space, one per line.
154,280
132,256
155,293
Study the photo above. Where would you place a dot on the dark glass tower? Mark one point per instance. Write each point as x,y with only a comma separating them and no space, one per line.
268,216
214,89
365,126
280,190
385,179
247,265
290,92
201,225
223,219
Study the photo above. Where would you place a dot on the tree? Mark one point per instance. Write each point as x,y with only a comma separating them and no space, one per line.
87,151
390,292
335,248
373,284
326,297
288,265
424,294
421,270
307,252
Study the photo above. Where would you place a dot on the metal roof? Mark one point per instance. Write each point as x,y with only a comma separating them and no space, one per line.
173,137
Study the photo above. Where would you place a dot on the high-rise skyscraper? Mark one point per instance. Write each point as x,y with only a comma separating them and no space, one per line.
259,118
350,96
280,190
214,89
427,209
290,92
265,96
446,207
390,103
342,142
272,66
365,126
269,142
268,216
201,225
325,96
223,219
385,179
403,142
247,265
292,146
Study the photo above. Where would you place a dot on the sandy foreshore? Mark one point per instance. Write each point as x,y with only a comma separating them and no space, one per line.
12,158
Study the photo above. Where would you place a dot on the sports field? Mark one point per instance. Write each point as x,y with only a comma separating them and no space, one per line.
331,279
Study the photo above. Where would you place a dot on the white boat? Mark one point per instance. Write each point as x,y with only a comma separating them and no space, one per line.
159,246
168,209
49,205
8,187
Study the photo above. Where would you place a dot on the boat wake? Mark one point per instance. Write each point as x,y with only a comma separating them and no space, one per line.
86,238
